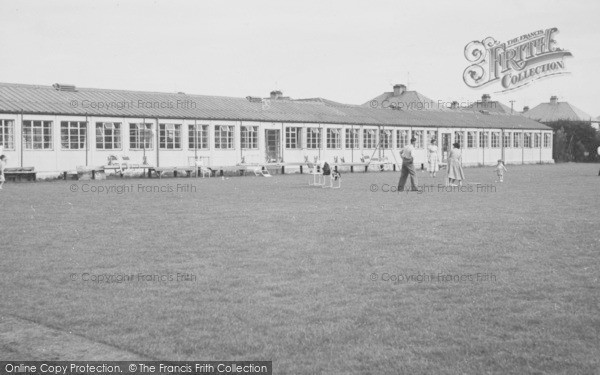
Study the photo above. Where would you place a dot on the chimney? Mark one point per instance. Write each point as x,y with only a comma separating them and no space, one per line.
399,89
454,105
276,94
485,98
525,109
553,99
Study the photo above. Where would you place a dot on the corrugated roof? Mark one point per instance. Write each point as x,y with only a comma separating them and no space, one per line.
33,99
547,112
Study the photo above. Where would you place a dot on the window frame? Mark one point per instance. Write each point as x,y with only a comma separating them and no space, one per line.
135,136
293,135
114,137
334,139
163,136
507,139
224,136
403,138
198,135
81,134
370,141
44,125
352,139
314,139
249,137
471,139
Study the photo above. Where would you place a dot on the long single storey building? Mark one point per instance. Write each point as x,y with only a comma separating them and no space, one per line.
61,127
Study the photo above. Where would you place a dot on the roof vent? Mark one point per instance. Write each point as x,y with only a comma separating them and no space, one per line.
253,99
63,87
485,112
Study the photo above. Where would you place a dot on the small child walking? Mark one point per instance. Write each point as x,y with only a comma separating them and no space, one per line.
500,169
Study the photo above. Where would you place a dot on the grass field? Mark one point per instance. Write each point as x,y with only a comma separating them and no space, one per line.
319,281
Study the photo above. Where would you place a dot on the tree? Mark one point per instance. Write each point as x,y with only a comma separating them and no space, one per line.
573,139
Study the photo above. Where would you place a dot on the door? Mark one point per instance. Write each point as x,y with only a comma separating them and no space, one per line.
273,145
446,146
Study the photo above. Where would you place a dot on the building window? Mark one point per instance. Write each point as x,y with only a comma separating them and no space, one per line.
431,135
293,137
547,140
250,137
526,140
334,138
386,139
495,140
140,136
419,139
37,135
471,140
402,138
197,137
7,134
352,138
224,136
108,136
517,140
73,135
484,139
169,136
537,140
506,140
369,138
459,138
313,138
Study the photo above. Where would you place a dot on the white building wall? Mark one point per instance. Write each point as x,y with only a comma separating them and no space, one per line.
58,159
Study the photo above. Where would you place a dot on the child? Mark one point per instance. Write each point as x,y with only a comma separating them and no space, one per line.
2,166
500,169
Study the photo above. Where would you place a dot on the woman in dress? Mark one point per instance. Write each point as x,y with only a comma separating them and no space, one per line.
432,158
455,171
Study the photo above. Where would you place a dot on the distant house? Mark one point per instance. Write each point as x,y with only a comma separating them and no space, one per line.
405,100
554,111
490,106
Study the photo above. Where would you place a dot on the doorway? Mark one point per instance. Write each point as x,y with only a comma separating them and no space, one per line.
273,145
446,145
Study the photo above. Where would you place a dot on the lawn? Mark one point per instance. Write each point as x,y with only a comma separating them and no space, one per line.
319,281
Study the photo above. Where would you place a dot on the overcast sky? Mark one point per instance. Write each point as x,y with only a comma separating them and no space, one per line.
347,51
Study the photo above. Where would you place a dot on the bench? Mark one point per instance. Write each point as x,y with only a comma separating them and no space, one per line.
18,174
160,171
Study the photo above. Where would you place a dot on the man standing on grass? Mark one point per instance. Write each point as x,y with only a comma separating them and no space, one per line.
2,166
408,167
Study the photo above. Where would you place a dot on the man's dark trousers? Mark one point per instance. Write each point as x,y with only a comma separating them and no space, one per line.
408,168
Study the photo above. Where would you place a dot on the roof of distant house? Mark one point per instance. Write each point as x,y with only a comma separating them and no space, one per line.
492,106
403,99
555,110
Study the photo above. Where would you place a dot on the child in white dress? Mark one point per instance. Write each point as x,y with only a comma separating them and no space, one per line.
500,169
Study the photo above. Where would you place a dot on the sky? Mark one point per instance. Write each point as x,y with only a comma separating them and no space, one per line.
346,51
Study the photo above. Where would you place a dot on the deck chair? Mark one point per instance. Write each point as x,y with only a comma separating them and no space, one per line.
262,171
121,161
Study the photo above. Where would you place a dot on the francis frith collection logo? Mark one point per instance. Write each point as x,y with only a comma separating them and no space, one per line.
514,63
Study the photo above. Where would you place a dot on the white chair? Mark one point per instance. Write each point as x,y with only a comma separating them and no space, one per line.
199,164
317,175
